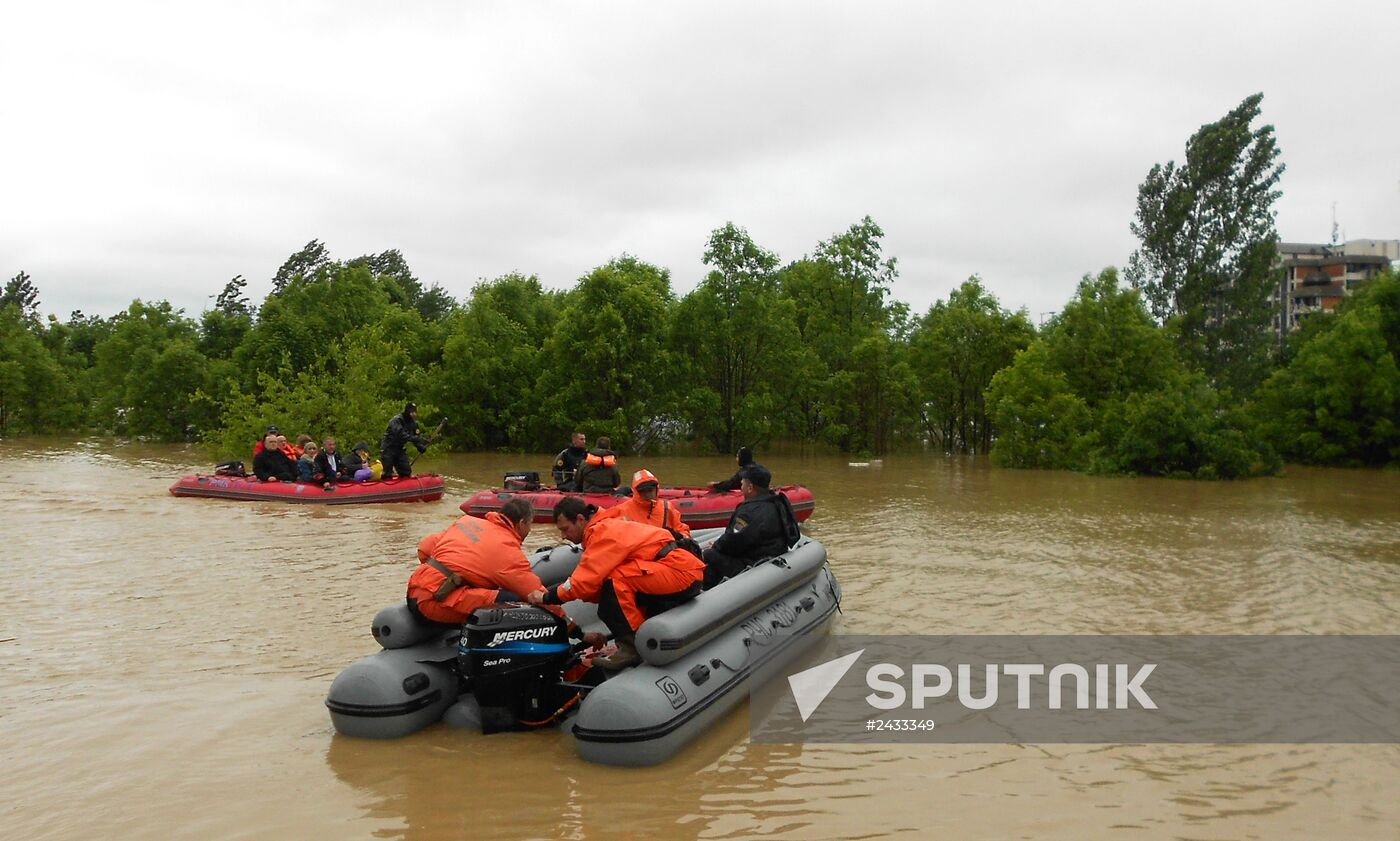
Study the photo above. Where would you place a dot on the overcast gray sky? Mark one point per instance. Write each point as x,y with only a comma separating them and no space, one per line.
155,150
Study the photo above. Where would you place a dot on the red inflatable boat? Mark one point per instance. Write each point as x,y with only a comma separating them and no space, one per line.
701,508
423,488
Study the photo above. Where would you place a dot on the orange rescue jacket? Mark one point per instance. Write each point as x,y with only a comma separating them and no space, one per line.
659,513
614,546
486,552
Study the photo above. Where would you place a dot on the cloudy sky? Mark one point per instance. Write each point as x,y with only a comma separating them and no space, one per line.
155,150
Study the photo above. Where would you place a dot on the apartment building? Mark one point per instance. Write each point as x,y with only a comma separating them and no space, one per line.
1315,278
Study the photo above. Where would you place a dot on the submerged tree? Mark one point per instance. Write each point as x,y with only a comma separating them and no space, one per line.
738,336
956,350
1208,245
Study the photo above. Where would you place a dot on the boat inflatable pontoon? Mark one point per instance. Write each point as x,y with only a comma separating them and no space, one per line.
425,488
512,666
700,508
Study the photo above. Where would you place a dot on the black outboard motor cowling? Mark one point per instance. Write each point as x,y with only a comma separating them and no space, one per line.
522,480
514,655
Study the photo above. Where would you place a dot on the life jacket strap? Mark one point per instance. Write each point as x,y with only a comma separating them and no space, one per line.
451,581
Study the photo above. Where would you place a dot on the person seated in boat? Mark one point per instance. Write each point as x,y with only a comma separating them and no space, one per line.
402,431
630,570
733,482
477,562
272,465
300,446
566,464
598,473
307,471
282,442
643,507
763,526
287,449
358,465
329,463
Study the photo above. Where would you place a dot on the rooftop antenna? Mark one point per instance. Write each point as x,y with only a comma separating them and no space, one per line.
1334,223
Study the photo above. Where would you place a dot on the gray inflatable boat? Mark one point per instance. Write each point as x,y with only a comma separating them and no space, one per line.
512,666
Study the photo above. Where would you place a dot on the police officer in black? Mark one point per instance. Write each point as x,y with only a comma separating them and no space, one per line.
402,431
566,464
733,482
763,526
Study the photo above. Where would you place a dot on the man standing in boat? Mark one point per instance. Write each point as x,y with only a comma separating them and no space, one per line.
630,570
402,431
566,464
598,473
763,526
644,507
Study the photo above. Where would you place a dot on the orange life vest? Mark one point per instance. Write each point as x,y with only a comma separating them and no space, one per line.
608,460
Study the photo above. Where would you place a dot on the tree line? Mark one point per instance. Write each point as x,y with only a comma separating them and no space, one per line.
1171,370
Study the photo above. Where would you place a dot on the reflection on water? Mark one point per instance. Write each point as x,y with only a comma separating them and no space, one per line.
163,662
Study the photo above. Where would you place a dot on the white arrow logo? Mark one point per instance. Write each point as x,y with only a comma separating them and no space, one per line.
810,687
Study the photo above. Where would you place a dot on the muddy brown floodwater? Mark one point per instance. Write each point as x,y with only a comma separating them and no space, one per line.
164,662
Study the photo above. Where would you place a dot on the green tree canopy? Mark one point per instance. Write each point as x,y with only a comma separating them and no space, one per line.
1208,246
956,349
607,366
1338,400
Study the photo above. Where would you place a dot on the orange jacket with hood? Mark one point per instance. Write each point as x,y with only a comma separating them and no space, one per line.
639,510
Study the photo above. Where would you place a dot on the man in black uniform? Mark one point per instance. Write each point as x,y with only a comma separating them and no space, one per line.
733,482
271,464
402,431
763,526
567,462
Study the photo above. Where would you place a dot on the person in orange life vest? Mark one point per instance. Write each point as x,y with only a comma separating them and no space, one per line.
644,508
476,562
272,465
631,570
259,445
598,473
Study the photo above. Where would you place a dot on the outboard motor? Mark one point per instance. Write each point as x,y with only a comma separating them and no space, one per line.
513,656
522,480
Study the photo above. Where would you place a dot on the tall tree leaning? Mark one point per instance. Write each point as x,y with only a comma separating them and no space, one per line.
1208,245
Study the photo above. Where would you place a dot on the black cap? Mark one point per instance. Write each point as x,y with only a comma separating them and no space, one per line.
759,475
411,407
272,430
360,445
745,456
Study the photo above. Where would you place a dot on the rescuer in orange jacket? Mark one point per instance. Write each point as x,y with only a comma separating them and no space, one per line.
643,507
474,563
631,570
